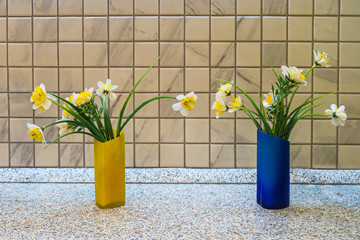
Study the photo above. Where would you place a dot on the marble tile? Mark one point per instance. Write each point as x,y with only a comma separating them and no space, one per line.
3,80
324,156
349,7
71,155
151,109
121,54
95,29
20,54
46,157
146,53
95,54
95,7
197,28
349,133
171,130
246,156
4,130
350,100
223,7
47,76
245,131
19,8
197,130
275,7
146,28
129,155
45,28
301,133
117,104
146,7
93,75
349,55
20,105
246,49
172,28
300,156
19,29
274,28
172,155
300,7
331,49
146,130
4,161
4,105
44,7
300,29
123,77
171,79
248,28
19,130
323,132
172,54
326,7
121,28
197,79
346,26
221,33
3,54
197,54
50,133
248,78
348,81
3,30
227,74
70,54
146,155
248,7
70,7
222,156
197,155
89,155
70,29
348,157
121,7
70,79
197,7
20,79
217,131
326,29
296,59
21,155
325,80
172,7
45,54
275,52
149,83
222,54
3,7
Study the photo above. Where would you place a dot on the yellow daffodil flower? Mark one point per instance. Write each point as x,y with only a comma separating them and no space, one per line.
294,74
321,60
40,98
220,107
338,115
83,97
106,89
185,104
36,132
234,106
224,91
270,100
63,128
66,114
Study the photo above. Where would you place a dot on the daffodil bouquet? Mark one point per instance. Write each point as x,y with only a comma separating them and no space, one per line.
274,114
81,115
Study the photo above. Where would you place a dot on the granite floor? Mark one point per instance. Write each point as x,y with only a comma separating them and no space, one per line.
177,211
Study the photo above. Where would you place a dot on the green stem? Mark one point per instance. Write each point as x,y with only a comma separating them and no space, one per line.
310,70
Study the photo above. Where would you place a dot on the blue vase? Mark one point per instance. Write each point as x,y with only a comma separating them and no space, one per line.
273,171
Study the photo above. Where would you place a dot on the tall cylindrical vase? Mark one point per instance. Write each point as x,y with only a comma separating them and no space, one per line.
273,171
109,165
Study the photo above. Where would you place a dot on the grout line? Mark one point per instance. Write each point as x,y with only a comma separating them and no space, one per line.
32,72
83,65
337,87
58,73
235,78
133,83
184,86
210,68
158,86
8,83
312,85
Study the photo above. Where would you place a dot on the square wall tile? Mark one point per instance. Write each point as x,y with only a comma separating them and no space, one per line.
93,75
222,54
70,7
4,130
325,80
331,49
324,156
146,7
201,108
197,79
350,100
349,54
197,28
274,7
349,133
197,155
50,133
4,161
121,28
301,133
20,54
21,155
45,28
146,28
172,155
19,29
45,54
171,79
150,81
4,106
95,54
146,155
248,28
129,155
146,53
274,28
275,52
323,132
89,155
172,28
45,7
347,26
300,29
326,28
20,106
348,157
121,7
217,131
197,54
348,81
300,156
151,109
222,156
3,80
3,5
46,157
47,76
300,7
303,59
70,54
3,54
350,7
171,130
246,49
115,108
3,30
172,54
326,7
71,79
197,130
172,7
246,156
221,33
220,73
95,7
197,7
223,7
71,155
245,131
95,28
248,7
121,54
248,78
146,130
70,29
123,77
19,7
20,80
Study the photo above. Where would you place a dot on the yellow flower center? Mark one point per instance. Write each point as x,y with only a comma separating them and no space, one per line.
36,134
188,103
323,57
70,99
227,91
83,97
38,96
269,99
219,108
236,103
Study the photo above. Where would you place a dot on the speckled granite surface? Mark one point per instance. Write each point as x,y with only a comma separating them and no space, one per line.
176,175
177,211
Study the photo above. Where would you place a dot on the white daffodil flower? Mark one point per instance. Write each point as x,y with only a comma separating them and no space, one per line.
270,100
40,98
224,91
338,115
321,60
186,103
36,132
63,128
294,74
83,97
234,106
106,89
220,107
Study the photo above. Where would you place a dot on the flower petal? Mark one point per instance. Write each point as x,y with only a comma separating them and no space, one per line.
333,107
100,84
328,112
184,111
176,106
112,96
113,87
341,109
46,104
180,97
342,116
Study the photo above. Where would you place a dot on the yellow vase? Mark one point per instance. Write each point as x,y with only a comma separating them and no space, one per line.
109,165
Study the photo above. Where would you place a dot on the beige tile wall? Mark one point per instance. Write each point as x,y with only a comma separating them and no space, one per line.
72,44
